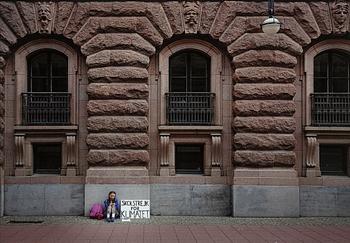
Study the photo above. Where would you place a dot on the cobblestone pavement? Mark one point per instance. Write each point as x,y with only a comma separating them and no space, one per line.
174,229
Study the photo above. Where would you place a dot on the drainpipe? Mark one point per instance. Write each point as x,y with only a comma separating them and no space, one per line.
2,193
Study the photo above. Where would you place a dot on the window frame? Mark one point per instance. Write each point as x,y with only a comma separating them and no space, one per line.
21,72
310,54
215,73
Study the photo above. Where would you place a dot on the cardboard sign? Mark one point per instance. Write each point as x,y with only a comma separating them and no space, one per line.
134,209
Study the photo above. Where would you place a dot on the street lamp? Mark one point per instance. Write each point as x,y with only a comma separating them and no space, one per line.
271,25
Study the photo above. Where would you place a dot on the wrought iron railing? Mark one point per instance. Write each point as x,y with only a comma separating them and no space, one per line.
40,108
189,108
330,109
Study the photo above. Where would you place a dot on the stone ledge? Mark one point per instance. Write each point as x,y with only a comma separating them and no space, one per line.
120,171
44,179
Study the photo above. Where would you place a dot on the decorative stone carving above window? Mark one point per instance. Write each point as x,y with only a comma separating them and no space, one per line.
340,15
45,13
192,14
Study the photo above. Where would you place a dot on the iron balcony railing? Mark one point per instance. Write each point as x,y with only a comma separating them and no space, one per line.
330,109
189,108
39,108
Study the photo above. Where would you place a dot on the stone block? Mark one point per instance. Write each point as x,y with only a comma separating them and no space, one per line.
112,41
117,58
343,201
256,141
44,199
318,201
117,124
265,201
117,107
97,193
264,108
249,158
265,75
264,91
326,201
322,16
251,41
117,74
117,140
190,199
118,157
117,91
264,124
264,58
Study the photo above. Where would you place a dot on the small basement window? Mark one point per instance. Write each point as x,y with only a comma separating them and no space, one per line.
47,158
333,159
189,158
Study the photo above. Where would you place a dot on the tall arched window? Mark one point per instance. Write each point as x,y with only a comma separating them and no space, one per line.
189,72
189,101
330,104
331,73
47,72
47,101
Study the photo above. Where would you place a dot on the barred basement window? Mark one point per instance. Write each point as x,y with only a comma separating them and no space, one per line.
333,159
47,158
189,158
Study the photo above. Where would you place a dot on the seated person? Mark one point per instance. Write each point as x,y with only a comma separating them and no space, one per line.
111,207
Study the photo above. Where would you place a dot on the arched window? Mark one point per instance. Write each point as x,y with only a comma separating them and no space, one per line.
47,72
189,72
189,101
47,101
331,72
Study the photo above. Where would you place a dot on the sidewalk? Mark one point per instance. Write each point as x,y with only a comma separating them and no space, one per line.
175,229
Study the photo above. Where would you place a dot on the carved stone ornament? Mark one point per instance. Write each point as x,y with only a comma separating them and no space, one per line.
311,142
191,11
340,14
45,16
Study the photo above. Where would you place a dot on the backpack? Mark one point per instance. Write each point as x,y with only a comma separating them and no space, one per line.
96,211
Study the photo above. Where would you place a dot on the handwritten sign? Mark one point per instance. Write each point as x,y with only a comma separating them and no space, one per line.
134,209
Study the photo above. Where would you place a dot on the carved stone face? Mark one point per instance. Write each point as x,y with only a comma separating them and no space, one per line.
44,14
191,16
340,12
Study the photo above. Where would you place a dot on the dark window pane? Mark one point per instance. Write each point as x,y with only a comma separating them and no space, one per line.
339,65
178,85
320,85
333,159
47,158
48,72
189,158
178,65
332,68
59,65
192,68
39,65
40,85
199,65
321,65
338,85
59,85
199,85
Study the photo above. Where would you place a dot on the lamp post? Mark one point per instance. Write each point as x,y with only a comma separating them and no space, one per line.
271,25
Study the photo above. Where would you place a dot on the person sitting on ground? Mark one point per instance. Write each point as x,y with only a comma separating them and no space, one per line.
111,207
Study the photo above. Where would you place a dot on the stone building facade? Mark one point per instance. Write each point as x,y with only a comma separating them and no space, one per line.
186,103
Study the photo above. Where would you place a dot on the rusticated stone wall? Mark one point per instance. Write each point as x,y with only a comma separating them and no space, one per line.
118,38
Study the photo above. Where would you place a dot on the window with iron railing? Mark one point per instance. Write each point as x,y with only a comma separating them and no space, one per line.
330,104
47,101
189,101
